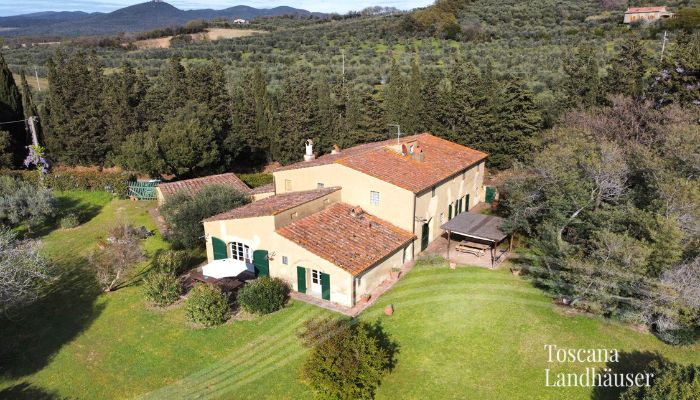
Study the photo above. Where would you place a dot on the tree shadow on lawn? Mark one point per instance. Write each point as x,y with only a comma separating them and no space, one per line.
629,362
31,336
84,210
384,341
28,391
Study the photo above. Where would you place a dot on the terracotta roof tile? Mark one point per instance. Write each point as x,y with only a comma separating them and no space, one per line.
267,188
441,159
192,186
273,205
352,242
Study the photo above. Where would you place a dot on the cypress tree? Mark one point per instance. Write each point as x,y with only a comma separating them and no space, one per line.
627,72
123,96
414,100
11,110
394,97
297,108
582,80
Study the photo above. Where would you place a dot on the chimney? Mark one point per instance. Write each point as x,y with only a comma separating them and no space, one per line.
356,211
309,154
417,154
336,149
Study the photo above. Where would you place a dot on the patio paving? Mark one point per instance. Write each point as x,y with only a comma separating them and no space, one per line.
438,247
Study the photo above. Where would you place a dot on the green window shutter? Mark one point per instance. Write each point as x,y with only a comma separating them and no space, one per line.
466,200
261,263
449,212
219,247
301,279
490,194
325,286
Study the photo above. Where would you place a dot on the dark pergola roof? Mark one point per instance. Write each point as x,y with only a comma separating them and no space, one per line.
479,226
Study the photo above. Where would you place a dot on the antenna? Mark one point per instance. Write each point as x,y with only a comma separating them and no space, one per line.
398,134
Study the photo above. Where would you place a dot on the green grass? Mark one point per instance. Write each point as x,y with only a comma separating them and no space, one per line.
465,333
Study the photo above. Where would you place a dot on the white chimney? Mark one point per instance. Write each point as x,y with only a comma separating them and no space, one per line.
309,154
336,149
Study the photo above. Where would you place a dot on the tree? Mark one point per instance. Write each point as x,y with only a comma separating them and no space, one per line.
24,271
296,113
394,96
627,74
347,360
124,92
11,110
116,256
415,103
75,123
671,381
679,78
184,213
582,83
21,202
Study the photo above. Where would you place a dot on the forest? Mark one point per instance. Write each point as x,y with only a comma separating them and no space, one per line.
594,127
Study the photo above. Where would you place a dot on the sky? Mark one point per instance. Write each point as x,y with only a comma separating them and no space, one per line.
15,7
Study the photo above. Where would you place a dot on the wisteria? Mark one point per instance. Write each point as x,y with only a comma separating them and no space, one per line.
36,157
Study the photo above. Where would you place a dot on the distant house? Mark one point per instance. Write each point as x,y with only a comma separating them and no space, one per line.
647,14
240,21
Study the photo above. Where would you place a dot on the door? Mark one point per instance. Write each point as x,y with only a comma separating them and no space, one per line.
490,194
316,282
425,237
261,263
325,286
466,203
301,279
219,247
449,212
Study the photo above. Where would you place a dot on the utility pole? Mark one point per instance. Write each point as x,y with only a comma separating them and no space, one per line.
36,74
398,134
31,120
663,46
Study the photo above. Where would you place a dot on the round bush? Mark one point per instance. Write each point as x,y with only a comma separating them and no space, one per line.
161,288
172,261
263,295
69,221
206,305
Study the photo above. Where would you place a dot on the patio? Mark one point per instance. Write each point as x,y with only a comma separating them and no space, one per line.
477,237
438,247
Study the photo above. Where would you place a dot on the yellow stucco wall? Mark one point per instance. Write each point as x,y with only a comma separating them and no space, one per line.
286,217
373,277
430,208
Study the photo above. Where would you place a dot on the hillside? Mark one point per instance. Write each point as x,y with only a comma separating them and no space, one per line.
135,18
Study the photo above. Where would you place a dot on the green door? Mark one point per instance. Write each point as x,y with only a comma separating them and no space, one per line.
325,286
219,247
490,194
466,203
425,237
261,263
449,212
301,279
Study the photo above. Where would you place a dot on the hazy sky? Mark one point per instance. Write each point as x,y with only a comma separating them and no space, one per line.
14,7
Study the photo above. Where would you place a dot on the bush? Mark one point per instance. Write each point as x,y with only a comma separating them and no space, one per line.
116,256
348,358
174,262
21,202
183,213
671,380
77,179
256,180
161,288
206,305
69,221
264,295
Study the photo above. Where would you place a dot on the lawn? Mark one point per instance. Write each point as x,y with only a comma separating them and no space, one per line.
465,333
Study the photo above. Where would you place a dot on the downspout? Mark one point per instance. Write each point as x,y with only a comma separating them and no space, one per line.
413,224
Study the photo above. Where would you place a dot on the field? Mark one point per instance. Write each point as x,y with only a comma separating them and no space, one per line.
211,34
465,333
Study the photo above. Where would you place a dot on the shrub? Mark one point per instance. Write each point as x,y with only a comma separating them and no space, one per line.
206,305
77,179
116,256
256,179
69,221
174,262
348,358
671,380
263,295
183,213
161,288
21,202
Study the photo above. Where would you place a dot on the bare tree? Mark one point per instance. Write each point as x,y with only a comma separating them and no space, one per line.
23,271
116,256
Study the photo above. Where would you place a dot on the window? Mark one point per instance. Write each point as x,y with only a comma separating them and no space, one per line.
320,185
285,260
410,149
288,185
433,193
315,277
374,197
240,252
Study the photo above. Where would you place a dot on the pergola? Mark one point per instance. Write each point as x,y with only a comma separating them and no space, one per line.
484,229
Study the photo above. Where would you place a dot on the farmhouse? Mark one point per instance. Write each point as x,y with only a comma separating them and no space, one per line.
647,14
339,223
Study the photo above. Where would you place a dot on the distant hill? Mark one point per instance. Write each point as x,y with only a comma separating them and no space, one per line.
135,18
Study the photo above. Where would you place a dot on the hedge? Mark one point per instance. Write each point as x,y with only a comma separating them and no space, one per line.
90,180
256,179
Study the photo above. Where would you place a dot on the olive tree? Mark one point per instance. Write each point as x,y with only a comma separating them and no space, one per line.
23,271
